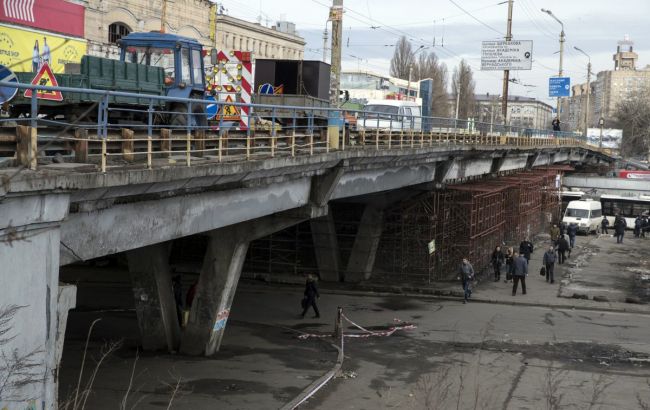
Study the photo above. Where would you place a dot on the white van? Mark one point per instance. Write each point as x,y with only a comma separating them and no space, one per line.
586,213
395,115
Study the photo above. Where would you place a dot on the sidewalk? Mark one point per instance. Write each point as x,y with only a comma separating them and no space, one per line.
574,277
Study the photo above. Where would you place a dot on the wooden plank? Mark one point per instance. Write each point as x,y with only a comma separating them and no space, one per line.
26,147
81,145
128,152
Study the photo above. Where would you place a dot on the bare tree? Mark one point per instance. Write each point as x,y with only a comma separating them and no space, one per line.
633,116
463,84
18,370
428,66
403,59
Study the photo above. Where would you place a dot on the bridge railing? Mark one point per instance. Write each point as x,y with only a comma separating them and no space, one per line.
114,129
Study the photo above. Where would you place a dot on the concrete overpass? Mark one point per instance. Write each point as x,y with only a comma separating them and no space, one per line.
63,213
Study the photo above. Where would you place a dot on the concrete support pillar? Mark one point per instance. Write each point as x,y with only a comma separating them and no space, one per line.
326,247
154,298
364,250
30,292
222,265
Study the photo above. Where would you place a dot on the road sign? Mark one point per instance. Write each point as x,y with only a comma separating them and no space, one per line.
507,55
6,92
559,86
212,108
228,112
45,77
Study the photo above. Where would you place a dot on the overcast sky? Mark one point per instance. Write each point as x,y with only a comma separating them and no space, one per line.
371,28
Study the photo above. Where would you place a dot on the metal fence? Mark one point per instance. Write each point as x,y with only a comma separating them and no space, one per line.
111,128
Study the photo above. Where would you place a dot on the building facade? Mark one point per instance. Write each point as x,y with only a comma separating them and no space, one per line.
614,86
109,20
523,112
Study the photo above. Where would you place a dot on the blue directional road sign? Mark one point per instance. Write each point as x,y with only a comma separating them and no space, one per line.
7,92
559,87
212,108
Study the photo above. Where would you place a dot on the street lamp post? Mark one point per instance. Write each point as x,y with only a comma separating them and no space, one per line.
561,51
588,89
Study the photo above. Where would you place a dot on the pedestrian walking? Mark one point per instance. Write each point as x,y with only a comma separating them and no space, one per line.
644,225
549,262
619,228
497,262
310,296
562,247
637,226
555,234
562,228
520,271
466,274
572,231
603,225
526,248
510,254
556,124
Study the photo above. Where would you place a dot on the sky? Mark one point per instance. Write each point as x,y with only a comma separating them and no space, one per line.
372,27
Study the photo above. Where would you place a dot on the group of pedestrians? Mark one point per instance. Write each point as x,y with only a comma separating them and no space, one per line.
516,263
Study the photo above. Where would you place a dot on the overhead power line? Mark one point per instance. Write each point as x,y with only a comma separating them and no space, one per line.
476,19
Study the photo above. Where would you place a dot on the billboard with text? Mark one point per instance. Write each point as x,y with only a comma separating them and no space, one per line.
612,137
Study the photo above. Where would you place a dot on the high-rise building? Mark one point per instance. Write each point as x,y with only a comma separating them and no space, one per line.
613,86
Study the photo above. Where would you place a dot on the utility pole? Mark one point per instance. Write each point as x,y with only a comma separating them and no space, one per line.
506,73
588,92
336,17
163,16
325,44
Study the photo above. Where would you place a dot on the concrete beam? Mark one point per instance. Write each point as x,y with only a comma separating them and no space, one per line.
122,227
154,297
224,258
326,247
366,242
497,163
530,161
322,186
442,170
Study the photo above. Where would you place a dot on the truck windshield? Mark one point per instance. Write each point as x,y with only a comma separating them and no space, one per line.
153,56
383,111
577,213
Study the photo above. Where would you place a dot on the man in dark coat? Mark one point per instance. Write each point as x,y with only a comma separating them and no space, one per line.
619,228
526,248
466,274
572,231
520,271
562,247
604,224
556,124
311,293
638,222
549,262
497,261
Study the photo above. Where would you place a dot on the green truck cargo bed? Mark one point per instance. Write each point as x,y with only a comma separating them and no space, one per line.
103,74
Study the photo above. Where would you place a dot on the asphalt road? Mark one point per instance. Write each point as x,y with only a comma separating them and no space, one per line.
469,356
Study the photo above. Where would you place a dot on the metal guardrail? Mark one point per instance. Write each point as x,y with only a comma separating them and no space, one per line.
110,132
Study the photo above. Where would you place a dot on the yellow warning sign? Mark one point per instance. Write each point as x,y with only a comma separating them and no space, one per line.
228,112
45,77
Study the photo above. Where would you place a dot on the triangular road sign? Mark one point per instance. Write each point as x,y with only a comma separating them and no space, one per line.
45,77
228,112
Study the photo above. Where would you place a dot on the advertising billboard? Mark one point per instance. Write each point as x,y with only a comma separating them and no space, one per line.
50,15
24,50
612,138
507,55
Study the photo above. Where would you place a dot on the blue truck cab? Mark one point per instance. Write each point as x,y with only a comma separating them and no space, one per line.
180,57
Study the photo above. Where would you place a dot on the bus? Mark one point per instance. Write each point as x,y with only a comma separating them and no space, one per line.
627,207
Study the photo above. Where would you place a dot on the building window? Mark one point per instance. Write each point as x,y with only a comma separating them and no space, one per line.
233,42
266,50
116,31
